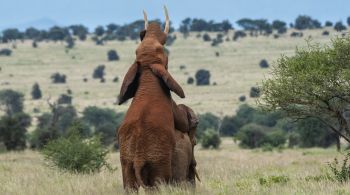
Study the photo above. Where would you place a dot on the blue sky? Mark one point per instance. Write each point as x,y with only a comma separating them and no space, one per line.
94,12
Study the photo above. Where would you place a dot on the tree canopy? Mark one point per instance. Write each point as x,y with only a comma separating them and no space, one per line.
315,83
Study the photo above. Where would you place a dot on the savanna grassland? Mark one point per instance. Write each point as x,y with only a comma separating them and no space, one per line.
235,71
230,170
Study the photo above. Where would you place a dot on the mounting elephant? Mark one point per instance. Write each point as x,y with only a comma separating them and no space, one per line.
183,162
147,136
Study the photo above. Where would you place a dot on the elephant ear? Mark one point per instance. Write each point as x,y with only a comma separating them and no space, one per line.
130,84
161,72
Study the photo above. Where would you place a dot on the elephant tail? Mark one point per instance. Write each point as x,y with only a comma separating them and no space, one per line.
196,173
138,168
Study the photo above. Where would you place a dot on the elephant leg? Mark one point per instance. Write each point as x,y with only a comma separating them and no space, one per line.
129,179
161,173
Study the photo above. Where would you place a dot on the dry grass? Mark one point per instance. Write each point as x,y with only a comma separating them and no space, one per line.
235,71
229,170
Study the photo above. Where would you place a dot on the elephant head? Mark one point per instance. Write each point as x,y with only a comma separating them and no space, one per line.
150,54
192,122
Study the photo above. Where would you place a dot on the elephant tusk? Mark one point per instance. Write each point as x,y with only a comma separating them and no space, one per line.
145,18
196,173
167,26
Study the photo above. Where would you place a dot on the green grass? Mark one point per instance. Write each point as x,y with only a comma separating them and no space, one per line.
229,170
235,71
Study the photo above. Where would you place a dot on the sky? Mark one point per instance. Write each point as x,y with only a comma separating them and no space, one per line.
14,13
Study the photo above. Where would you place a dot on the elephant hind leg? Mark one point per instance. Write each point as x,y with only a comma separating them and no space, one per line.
160,173
130,183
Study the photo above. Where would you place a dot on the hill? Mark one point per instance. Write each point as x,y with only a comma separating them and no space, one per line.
235,71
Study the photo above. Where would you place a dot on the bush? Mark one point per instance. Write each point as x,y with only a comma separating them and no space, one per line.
34,44
206,121
206,37
58,78
53,125
263,64
11,102
342,173
112,55
242,98
328,24
306,22
170,40
70,42
99,72
65,99
296,34
75,154
202,77
13,131
5,52
254,136
229,126
239,34
267,181
325,33
313,133
107,132
339,26
254,92
210,138
36,92
104,121
190,80
116,79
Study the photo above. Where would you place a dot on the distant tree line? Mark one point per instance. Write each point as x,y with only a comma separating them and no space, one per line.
131,30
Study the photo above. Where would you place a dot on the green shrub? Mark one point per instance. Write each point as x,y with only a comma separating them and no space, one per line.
11,102
202,77
313,133
112,55
5,52
210,138
13,131
75,154
53,125
254,136
65,99
36,92
318,178
274,179
99,72
229,126
341,172
254,92
58,78
276,138
206,121
104,122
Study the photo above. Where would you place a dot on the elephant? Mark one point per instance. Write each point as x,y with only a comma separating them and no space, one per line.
146,135
184,163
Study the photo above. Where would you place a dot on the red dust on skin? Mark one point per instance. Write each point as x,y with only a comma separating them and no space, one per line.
147,136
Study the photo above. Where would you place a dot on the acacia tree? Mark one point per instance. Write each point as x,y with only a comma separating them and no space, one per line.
314,83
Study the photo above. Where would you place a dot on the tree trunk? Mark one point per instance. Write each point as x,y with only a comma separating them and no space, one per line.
338,143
